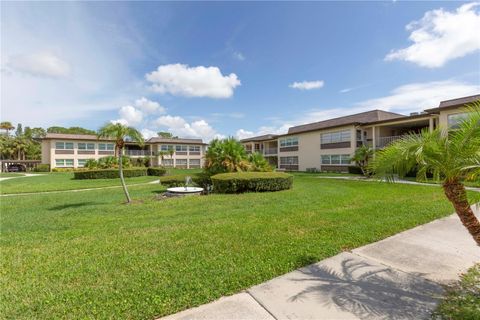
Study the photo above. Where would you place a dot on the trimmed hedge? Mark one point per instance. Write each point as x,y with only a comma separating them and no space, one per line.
178,180
42,168
156,171
238,182
110,173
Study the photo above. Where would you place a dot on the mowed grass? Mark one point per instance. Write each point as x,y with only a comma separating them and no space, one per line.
61,181
86,255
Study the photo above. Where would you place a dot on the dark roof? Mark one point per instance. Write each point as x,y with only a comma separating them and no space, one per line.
413,116
175,141
455,102
260,138
69,136
359,118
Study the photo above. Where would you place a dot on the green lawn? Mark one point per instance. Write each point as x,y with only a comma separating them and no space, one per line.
475,184
86,255
11,174
61,181
462,300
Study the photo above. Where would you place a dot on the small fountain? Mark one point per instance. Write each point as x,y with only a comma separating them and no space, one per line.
184,191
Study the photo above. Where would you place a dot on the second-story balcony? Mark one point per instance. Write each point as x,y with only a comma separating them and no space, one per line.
382,142
270,151
138,153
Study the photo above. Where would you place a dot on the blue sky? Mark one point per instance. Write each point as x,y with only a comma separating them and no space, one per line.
217,69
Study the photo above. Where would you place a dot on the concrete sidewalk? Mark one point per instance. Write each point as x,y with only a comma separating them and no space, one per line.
400,277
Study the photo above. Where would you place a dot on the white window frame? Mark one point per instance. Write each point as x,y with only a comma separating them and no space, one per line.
288,142
181,164
64,163
454,119
166,147
79,165
194,148
86,146
284,160
181,148
194,162
106,146
336,137
167,162
335,159
63,145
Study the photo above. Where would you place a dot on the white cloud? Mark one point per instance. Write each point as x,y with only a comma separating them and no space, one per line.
243,134
182,80
180,127
149,106
238,55
130,116
441,36
307,85
41,64
147,133
418,96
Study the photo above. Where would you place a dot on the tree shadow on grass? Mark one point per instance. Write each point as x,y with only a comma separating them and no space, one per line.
370,291
74,205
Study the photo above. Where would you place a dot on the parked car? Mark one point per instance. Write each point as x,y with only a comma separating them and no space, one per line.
16,168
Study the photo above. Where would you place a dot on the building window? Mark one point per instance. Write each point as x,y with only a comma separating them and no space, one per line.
64,163
181,162
81,162
86,146
335,137
194,162
289,160
64,145
181,148
335,159
194,148
289,142
106,147
455,119
166,147
167,162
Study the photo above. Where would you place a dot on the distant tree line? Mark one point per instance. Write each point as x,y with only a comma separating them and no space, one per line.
18,143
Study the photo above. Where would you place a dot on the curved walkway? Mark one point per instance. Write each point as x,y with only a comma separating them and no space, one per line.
400,277
75,190
23,176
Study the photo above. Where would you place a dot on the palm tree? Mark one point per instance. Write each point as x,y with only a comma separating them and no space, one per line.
226,155
452,157
120,133
7,126
362,156
162,155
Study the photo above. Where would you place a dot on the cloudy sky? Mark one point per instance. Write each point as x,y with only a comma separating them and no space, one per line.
218,69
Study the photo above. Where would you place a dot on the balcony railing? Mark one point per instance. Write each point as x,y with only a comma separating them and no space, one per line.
138,153
382,142
270,151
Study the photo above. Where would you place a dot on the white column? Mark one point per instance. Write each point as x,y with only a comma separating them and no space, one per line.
373,138
430,124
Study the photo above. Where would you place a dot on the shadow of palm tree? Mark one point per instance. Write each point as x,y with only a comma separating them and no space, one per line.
369,291
73,205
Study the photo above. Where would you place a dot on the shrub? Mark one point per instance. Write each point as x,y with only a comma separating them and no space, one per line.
156,171
63,169
109,173
42,168
238,182
355,170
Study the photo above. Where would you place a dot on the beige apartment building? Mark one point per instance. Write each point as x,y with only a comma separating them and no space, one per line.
73,150
328,145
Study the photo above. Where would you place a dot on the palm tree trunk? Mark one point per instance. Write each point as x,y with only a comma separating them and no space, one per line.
122,179
456,193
